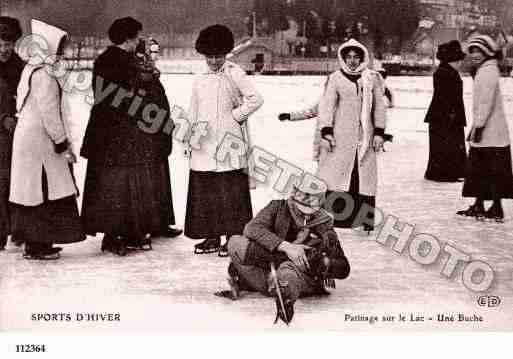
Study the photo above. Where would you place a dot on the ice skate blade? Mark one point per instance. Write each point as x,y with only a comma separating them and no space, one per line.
52,257
205,251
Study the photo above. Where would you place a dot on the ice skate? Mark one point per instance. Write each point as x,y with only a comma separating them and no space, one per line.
114,245
281,293
475,211
495,213
209,245
51,253
141,244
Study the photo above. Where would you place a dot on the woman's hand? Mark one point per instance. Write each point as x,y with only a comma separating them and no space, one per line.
328,142
9,123
477,134
70,156
296,253
377,143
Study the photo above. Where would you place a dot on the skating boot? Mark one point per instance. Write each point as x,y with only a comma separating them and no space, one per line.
114,245
495,213
476,211
209,245
41,253
142,244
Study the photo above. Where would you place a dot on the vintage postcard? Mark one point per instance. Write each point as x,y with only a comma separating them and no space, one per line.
197,166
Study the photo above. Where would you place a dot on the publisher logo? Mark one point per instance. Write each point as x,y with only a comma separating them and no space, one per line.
490,301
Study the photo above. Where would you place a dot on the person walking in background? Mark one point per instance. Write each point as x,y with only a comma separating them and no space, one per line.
43,189
489,174
352,121
126,164
11,67
446,118
387,93
218,199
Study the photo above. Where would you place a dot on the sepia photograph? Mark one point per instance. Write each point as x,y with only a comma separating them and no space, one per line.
277,166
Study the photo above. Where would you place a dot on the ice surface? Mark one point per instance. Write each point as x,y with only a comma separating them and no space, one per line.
169,288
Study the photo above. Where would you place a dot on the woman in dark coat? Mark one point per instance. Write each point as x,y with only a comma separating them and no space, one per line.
148,79
11,67
126,174
446,118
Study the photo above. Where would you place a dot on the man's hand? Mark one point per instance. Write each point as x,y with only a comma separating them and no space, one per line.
377,143
296,253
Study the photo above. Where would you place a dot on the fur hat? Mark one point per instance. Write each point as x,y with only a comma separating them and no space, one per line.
215,40
124,29
484,43
10,29
450,52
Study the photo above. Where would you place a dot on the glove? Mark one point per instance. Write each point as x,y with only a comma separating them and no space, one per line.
9,123
284,116
478,134
320,267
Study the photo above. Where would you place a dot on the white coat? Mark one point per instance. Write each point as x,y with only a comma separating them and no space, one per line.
353,112
40,127
220,103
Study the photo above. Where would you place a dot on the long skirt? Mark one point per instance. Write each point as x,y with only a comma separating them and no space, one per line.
218,203
346,206
5,223
489,173
128,201
52,222
447,153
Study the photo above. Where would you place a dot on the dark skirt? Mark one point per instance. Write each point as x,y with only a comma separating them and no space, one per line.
52,222
489,174
447,153
337,201
218,203
129,201
5,224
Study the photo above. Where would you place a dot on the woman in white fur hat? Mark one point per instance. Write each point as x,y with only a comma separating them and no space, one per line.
43,189
489,175
352,122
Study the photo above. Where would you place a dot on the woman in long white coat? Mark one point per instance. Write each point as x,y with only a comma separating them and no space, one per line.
43,189
352,121
218,200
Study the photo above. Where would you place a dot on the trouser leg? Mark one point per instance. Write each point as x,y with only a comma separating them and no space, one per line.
254,277
299,284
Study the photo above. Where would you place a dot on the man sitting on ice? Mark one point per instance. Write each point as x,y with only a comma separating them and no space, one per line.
290,245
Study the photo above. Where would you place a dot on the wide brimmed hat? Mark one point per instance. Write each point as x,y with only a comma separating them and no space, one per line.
484,43
215,40
10,29
450,52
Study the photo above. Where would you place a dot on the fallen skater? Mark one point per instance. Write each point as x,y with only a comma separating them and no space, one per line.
289,250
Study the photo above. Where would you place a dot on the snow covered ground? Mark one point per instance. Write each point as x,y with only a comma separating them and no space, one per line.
170,288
